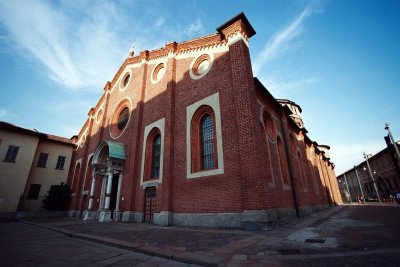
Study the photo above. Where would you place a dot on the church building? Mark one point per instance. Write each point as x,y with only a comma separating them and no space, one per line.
185,135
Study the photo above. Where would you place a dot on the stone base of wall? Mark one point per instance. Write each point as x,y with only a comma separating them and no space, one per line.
105,216
89,215
164,218
307,210
247,220
74,213
117,216
131,216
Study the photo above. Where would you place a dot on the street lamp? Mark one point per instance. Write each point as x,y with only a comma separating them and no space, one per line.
372,176
347,186
359,183
396,150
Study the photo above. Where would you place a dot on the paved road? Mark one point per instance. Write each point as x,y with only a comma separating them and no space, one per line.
27,245
351,235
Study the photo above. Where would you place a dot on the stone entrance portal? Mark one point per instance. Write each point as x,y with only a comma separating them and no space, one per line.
108,166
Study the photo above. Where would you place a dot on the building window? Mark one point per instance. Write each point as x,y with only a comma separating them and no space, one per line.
152,153
11,155
123,119
155,169
282,161
42,160
120,118
200,66
204,149
125,81
60,162
158,73
207,142
34,191
204,154
269,125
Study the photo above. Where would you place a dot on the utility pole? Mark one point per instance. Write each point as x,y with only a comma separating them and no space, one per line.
372,176
396,149
347,186
359,183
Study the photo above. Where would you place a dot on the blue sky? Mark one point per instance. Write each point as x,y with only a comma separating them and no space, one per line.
339,60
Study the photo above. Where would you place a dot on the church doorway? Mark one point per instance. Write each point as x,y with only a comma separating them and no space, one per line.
114,191
149,204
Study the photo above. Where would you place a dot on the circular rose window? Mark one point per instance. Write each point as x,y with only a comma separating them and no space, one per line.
200,66
121,118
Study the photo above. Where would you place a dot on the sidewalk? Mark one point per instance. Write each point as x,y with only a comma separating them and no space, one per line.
211,247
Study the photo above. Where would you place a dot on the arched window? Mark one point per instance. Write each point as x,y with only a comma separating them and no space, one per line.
207,142
282,161
153,155
155,166
204,152
269,125
302,170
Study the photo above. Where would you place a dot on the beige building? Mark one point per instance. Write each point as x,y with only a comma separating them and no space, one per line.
30,163
384,182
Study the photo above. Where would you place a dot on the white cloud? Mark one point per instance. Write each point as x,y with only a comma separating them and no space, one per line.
75,55
281,85
281,41
194,28
3,113
159,22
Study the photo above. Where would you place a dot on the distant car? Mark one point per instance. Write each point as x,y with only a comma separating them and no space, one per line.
371,199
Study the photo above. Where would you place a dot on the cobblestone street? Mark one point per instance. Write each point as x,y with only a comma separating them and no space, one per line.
349,235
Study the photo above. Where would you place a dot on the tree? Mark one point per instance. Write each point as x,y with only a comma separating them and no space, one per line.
57,198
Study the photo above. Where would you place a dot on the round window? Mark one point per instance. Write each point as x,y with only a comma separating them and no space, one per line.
125,81
120,118
201,66
158,72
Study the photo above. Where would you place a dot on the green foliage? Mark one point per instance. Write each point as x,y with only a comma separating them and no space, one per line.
57,198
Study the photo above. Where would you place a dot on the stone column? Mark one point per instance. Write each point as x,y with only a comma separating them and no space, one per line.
108,192
103,189
118,191
92,189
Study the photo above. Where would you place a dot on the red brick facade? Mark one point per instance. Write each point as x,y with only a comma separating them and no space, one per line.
266,167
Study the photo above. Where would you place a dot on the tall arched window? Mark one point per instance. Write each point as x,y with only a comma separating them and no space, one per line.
155,166
204,152
282,161
207,142
153,155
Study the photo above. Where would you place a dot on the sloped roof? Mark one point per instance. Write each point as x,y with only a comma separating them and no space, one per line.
13,128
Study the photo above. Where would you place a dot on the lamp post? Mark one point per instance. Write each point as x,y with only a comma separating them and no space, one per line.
359,183
396,149
347,186
372,176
